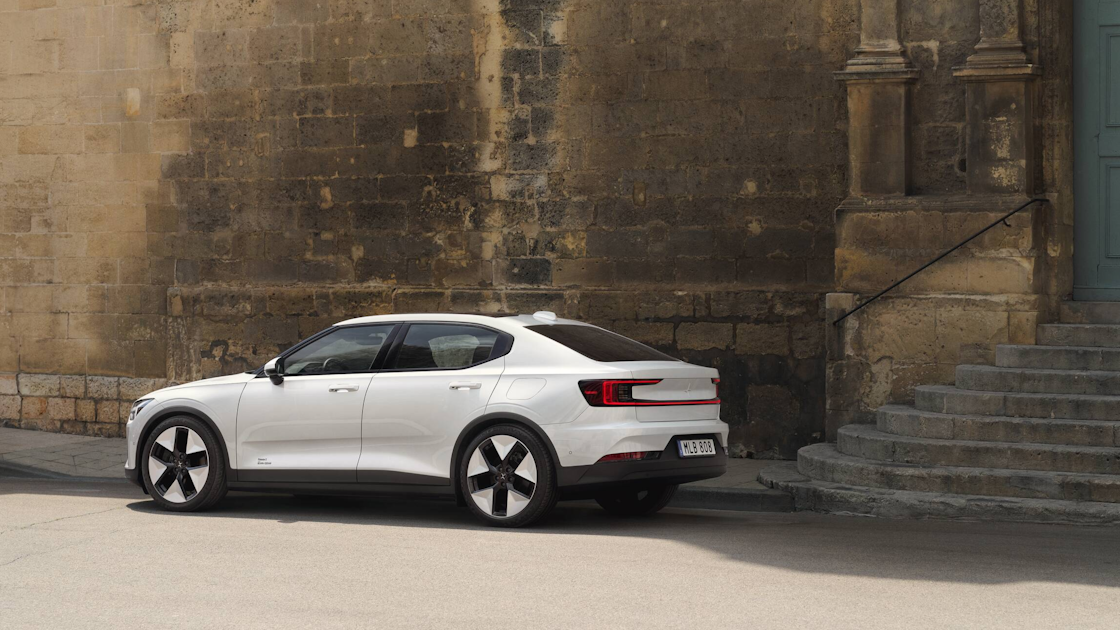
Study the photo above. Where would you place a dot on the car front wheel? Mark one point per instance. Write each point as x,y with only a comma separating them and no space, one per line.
636,501
183,465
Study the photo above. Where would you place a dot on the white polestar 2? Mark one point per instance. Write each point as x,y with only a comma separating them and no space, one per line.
506,414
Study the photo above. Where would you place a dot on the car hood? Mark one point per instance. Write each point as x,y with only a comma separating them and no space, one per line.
217,380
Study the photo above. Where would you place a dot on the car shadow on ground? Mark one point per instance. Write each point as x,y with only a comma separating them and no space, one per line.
942,551
817,543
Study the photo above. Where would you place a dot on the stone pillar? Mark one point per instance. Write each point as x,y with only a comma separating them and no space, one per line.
999,100
878,79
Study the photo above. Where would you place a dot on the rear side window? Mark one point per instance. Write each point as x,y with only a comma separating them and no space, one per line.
444,346
600,345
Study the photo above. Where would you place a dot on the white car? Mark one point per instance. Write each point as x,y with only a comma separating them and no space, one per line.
506,414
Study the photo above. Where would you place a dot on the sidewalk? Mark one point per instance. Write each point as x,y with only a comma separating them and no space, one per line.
39,453
42,454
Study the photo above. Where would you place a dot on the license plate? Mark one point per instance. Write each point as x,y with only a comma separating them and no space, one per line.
697,448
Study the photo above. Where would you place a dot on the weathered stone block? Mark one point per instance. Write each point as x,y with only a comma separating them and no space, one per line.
33,408
109,411
85,410
52,139
103,387
762,339
588,273
60,408
10,407
170,136
134,388
704,336
39,385
72,386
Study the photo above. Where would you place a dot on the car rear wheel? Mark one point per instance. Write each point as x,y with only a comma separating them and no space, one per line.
183,465
636,501
507,477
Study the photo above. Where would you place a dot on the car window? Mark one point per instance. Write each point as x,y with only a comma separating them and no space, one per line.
598,344
351,349
447,346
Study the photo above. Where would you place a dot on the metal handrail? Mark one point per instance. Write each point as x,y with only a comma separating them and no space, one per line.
1002,220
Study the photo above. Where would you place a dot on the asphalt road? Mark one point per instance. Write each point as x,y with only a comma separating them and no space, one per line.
99,555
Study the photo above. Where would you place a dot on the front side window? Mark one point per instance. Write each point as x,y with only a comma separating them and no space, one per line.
445,346
352,349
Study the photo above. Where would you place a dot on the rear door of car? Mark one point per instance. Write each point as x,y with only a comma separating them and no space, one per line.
437,378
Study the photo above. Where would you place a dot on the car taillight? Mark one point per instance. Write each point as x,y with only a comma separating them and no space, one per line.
715,381
620,393
608,393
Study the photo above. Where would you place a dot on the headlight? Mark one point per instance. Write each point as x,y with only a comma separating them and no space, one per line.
137,406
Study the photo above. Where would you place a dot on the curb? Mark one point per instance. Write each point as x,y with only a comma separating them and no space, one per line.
734,499
12,470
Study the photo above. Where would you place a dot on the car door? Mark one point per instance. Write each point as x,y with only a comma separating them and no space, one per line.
437,378
309,427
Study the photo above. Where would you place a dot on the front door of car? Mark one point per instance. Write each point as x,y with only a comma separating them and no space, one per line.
309,426
437,378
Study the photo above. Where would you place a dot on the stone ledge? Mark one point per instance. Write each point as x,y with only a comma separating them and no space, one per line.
943,203
75,404
976,72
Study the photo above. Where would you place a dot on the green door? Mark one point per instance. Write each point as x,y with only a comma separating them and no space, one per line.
1096,162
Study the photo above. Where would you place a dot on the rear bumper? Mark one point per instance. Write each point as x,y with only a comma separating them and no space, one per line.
668,468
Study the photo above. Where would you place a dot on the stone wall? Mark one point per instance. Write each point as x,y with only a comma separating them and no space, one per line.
1001,286
188,187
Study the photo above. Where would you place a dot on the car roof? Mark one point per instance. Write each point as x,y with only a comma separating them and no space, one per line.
540,318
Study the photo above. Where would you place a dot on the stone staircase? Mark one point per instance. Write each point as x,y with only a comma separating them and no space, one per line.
1034,438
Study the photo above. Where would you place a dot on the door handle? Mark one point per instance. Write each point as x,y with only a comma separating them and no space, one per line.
342,388
461,385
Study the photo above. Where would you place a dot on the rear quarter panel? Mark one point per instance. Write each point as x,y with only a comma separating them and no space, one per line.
541,380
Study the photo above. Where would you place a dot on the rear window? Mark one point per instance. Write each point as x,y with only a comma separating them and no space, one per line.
600,345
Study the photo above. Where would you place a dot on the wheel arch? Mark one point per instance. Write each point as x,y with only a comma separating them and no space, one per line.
183,410
481,424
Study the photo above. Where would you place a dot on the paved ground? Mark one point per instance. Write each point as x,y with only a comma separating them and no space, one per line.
98,555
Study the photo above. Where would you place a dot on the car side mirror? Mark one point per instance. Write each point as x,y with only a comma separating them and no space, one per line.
274,370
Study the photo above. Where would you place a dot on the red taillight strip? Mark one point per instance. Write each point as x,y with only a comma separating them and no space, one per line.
605,394
635,456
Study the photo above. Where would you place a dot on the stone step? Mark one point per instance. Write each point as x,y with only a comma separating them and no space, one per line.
823,462
824,496
1000,379
908,421
869,443
1058,357
952,400
1094,335
1090,312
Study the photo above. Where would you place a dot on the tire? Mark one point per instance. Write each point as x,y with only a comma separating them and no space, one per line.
636,501
507,477
181,453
